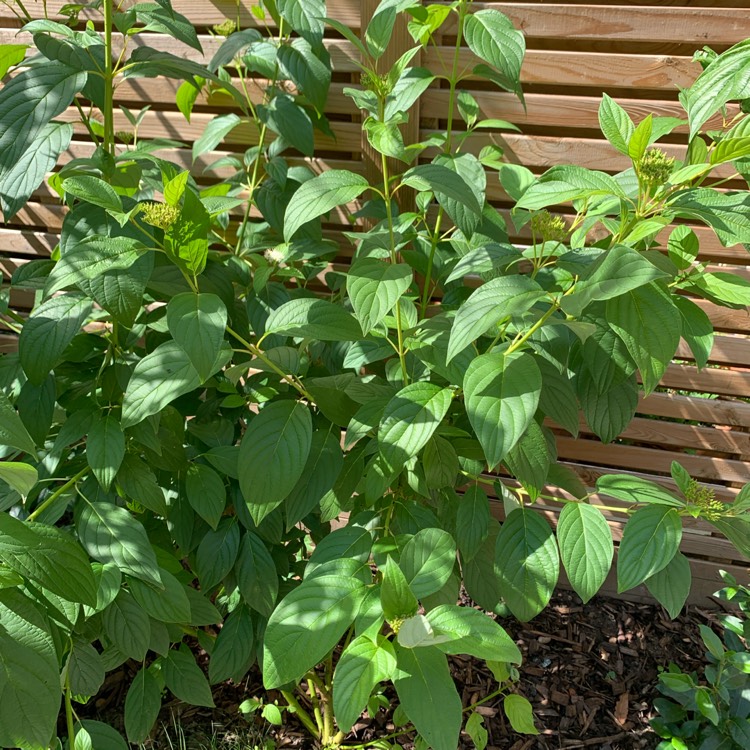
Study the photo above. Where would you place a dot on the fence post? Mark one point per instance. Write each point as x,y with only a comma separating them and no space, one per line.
401,41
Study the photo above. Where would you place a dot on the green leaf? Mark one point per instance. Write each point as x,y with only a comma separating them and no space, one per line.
167,603
27,104
707,704
110,534
558,398
29,694
608,413
20,476
519,713
235,647
501,394
47,556
723,80
728,289
492,37
428,695
105,449
650,540
586,547
618,270
409,421
319,195
649,325
165,20
217,553
374,288
427,561
315,319
102,736
671,585
726,213
632,489
615,123
396,597
12,431
527,563
159,378
142,706
47,332
185,679
214,133
272,457
309,73
362,665
472,522
85,669
475,729
197,323
683,246
10,55
380,28
697,330
138,483
93,190
256,575
568,183
289,120
307,624
440,463
305,17
469,631
18,183
640,139
206,493
126,625
444,182
491,303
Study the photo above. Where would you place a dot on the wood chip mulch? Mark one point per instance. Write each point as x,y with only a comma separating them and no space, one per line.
590,672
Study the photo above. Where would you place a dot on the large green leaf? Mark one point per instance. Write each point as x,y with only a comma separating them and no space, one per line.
13,433
472,522
649,324
427,561
428,695
615,123
142,706
27,104
527,563
444,182
126,625
256,575
18,183
697,330
47,333
618,270
374,288
724,79
10,55
362,665
321,194
494,301
47,556
197,323
168,603
273,453
105,449
567,183
85,668
492,37
307,624
608,413
305,17
185,679
726,213
217,553
111,534
93,190
20,476
671,585
397,600
650,540
314,318
29,695
159,378
633,489
206,493
214,133
501,393
235,647
471,632
409,421
586,547
310,74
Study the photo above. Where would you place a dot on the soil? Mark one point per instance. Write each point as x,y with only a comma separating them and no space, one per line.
590,672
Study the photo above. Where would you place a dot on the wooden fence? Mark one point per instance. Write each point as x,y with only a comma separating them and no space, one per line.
637,51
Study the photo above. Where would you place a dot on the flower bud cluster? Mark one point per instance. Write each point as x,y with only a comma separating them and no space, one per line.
550,228
655,166
160,215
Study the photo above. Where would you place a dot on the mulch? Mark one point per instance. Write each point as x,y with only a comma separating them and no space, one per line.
590,672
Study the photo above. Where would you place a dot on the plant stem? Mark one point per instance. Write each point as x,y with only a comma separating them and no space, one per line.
302,715
109,116
69,715
316,707
59,491
526,336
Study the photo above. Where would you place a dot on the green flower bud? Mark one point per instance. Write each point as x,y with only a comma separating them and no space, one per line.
550,228
704,497
124,136
225,28
160,215
655,166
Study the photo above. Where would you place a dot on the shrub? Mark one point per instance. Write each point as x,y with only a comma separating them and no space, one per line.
190,410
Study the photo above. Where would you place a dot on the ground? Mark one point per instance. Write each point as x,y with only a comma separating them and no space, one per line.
590,672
